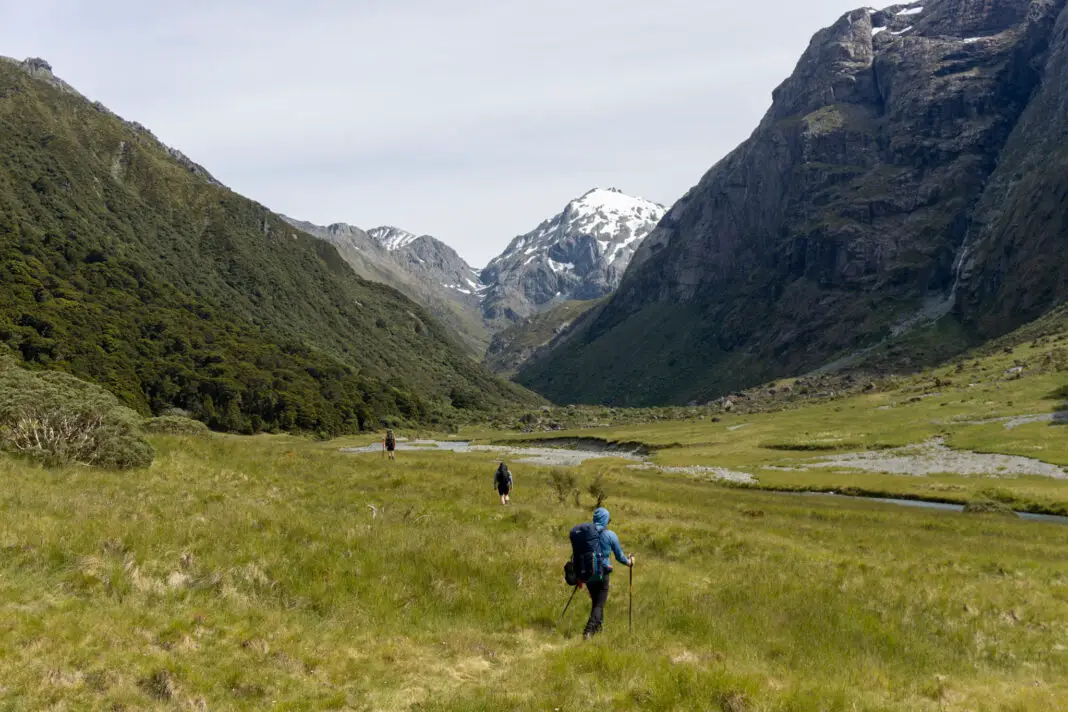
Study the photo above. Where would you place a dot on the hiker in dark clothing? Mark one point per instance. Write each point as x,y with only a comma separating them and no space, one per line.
390,443
608,544
502,482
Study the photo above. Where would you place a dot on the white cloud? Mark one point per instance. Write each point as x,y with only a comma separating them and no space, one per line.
470,120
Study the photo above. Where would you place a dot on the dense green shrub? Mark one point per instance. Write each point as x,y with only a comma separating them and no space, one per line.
174,425
58,419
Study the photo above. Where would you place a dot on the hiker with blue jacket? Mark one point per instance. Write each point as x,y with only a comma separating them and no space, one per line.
605,545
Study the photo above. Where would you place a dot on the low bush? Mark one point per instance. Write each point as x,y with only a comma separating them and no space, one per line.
58,419
174,425
988,507
597,490
563,485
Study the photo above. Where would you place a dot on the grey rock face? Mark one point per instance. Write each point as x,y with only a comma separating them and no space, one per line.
579,254
421,267
885,158
1014,262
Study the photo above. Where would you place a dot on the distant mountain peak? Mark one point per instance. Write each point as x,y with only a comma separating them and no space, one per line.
614,199
579,253
392,238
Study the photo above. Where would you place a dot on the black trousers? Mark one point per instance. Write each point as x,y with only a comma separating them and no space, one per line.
598,597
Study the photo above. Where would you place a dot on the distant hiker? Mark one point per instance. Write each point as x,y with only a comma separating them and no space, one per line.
390,443
502,482
592,547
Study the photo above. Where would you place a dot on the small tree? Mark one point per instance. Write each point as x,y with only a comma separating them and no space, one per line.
597,490
563,485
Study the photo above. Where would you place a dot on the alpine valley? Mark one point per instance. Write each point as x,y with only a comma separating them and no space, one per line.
904,198
577,255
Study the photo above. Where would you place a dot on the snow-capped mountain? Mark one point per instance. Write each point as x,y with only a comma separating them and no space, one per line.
432,260
392,238
420,266
581,253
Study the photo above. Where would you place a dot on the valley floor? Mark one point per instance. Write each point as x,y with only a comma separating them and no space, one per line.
991,428
279,573
276,572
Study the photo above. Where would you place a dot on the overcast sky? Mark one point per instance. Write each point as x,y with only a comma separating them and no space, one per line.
471,120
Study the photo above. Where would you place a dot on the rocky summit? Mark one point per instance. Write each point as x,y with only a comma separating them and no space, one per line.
580,253
911,170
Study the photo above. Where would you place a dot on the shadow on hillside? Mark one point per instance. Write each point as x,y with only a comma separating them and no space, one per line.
1060,411
1059,394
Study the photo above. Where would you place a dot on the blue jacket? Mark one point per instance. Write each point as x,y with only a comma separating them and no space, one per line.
609,543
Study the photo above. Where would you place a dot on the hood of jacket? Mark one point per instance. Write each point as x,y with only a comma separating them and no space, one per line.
601,517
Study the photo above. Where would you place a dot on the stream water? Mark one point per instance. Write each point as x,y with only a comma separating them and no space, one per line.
923,504
587,450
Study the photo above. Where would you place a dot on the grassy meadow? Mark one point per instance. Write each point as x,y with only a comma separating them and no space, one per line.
274,572
981,404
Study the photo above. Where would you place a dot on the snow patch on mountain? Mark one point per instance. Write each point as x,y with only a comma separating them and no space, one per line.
391,238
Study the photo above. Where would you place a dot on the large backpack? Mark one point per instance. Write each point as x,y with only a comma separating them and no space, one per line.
585,542
391,439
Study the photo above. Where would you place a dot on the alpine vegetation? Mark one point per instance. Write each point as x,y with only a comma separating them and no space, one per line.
125,264
58,419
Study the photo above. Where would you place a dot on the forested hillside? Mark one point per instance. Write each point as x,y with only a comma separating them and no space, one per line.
127,264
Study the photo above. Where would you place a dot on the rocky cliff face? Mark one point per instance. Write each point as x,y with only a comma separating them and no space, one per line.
532,337
896,177
421,267
578,254
1013,264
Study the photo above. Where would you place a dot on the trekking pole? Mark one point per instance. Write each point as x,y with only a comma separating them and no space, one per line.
630,612
568,604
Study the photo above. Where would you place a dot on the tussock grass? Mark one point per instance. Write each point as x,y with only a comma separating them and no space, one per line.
273,572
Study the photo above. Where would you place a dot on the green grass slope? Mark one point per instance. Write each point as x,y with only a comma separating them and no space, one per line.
277,573
123,266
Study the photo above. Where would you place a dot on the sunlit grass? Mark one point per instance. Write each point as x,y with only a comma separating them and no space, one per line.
254,573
